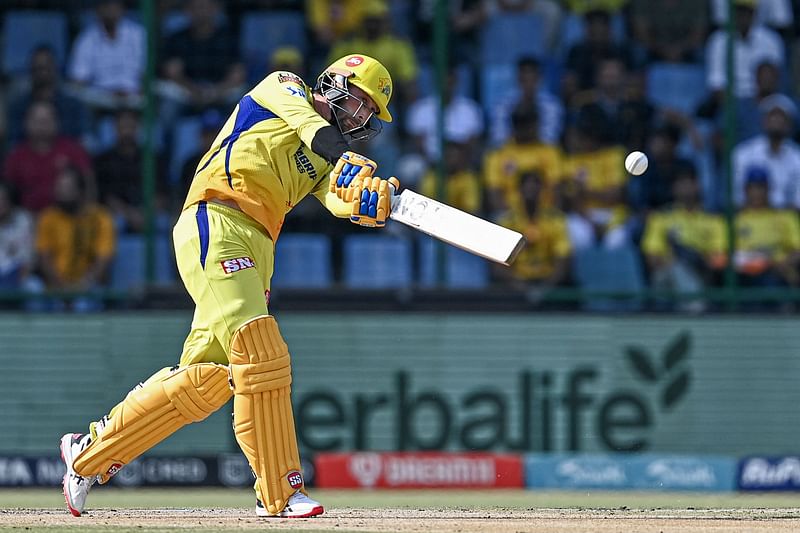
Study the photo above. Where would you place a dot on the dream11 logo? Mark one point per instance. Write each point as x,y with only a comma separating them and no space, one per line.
481,419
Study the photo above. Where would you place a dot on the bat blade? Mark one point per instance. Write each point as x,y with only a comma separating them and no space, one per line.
456,227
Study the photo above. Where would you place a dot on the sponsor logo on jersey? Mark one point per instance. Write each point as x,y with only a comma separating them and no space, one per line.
354,61
304,165
288,77
229,266
296,91
115,467
295,479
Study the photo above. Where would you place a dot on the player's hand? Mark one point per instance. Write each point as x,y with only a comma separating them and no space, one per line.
372,201
350,169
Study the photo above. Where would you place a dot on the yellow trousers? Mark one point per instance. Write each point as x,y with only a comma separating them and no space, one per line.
225,259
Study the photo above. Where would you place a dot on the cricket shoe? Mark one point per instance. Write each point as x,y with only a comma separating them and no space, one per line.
298,506
76,487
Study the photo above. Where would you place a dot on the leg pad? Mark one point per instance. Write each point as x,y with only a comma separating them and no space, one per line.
261,375
153,412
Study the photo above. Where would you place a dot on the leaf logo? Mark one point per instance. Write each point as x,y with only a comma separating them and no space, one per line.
667,371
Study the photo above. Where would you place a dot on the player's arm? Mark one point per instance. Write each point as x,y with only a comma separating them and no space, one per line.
286,95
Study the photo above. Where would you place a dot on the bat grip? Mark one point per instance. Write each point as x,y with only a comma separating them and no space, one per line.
394,198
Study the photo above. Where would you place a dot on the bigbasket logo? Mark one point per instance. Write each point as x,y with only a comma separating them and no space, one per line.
568,410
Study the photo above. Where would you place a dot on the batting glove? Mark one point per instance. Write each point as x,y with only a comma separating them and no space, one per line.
350,169
372,201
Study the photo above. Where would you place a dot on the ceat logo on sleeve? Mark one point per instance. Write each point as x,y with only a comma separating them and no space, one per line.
229,266
354,61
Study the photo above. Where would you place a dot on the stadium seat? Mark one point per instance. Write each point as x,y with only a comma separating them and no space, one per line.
426,80
497,82
507,37
616,270
185,142
376,262
462,270
24,31
676,86
128,270
264,31
573,31
302,261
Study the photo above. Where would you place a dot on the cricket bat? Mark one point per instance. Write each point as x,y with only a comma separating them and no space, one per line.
456,227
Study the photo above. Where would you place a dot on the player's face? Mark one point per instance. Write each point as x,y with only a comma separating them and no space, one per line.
359,108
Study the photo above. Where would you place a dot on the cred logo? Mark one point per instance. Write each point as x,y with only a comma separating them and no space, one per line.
295,479
229,266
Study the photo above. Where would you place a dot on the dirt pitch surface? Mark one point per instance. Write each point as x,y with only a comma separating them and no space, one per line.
411,520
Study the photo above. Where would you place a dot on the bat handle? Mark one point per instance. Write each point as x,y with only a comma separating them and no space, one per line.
394,197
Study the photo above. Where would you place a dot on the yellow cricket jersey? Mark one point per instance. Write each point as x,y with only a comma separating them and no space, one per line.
75,242
262,159
773,232
462,190
548,242
695,229
599,171
504,166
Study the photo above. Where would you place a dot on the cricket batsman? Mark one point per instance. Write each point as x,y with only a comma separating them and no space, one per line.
282,142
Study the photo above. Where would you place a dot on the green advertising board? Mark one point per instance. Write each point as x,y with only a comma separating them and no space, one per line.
504,382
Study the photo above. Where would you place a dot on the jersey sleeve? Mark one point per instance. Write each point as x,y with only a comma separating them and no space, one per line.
286,95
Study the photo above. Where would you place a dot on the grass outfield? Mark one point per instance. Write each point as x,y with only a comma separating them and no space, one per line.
417,499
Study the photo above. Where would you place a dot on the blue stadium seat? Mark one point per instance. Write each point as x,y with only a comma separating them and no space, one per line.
497,82
264,31
507,37
24,31
573,31
128,268
676,86
426,80
376,262
617,270
185,142
462,270
302,261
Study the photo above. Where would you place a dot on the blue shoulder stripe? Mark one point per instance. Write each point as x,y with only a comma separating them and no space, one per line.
250,113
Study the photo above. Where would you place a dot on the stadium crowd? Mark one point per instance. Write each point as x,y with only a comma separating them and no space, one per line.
542,101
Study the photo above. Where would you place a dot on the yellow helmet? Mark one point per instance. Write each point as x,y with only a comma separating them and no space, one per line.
369,75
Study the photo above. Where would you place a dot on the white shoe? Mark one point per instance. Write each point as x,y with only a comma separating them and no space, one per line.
76,487
298,506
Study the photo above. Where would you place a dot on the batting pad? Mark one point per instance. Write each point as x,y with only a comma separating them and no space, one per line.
261,374
152,413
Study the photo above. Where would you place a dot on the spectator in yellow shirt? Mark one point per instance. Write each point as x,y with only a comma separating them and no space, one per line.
74,239
374,37
331,20
544,262
682,244
767,239
462,187
599,171
523,153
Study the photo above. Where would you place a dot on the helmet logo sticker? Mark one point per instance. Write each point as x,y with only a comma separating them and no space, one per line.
354,61
384,86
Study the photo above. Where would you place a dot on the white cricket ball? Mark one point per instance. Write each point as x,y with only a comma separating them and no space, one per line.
636,163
